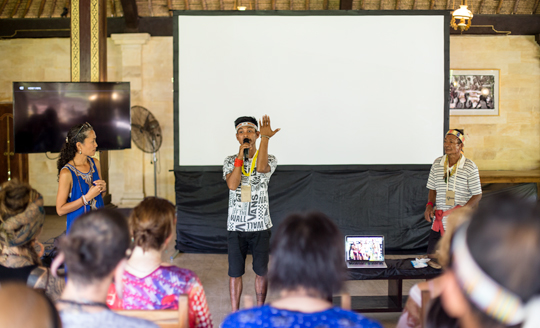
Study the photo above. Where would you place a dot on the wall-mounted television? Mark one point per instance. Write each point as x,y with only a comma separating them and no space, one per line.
43,113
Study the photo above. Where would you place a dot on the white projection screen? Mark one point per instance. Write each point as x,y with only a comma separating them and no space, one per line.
345,89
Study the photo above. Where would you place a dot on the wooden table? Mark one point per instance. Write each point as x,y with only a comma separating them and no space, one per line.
397,271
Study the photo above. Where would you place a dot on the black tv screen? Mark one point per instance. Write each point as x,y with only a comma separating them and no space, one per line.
43,113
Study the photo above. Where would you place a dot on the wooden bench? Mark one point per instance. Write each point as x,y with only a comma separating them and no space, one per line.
164,318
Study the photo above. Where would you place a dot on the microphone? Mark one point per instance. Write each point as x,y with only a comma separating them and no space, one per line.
246,151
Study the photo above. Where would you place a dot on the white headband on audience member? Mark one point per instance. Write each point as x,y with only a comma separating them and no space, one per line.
246,124
491,298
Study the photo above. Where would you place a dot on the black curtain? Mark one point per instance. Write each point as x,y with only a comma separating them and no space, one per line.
360,201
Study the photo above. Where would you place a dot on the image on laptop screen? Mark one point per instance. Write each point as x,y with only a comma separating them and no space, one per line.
364,248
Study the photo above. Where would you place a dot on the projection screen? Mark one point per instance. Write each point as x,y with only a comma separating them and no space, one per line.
345,88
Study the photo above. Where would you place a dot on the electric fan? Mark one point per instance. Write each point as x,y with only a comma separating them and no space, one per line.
146,134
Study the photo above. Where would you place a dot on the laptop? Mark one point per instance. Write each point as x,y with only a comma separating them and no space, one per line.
364,252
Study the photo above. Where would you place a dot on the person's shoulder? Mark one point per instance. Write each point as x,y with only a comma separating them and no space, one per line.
229,159
247,317
438,160
470,164
353,319
101,319
93,159
181,272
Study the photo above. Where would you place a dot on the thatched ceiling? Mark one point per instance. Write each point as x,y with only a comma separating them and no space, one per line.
160,8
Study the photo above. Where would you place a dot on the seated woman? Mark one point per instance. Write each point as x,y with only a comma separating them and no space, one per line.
152,223
21,306
492,280
307,267
21,220
95,251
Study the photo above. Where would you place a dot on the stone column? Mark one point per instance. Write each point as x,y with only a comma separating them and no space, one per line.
131,71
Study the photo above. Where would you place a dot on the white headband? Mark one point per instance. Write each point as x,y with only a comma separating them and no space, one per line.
490,297
246,124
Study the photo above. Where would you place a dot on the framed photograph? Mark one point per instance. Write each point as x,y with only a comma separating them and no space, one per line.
474,92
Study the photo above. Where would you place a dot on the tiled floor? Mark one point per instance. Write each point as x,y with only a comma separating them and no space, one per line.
212,270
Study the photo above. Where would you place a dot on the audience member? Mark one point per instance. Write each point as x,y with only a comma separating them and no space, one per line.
492,280
151,224
95,251
21,306
21,221
307,267
411,316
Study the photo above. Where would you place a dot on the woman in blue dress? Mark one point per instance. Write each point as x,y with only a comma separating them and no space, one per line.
79,175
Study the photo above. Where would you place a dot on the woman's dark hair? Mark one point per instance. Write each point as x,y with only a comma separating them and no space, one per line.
151,222
307,252
76,134
438,318
96,243
503,237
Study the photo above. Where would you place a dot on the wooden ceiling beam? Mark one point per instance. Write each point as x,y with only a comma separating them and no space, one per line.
290,4
170,7
205,5
432,5
2,6
307,4
515,7
41,7
480,6
499,7
221,5
535,8
131,15
397,5
344,4
113,8
324,4
15,9
414,5
448,7
28,4
53,7
150,8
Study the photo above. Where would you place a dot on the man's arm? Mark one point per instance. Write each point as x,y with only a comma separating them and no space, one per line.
432,197
266,134
234,178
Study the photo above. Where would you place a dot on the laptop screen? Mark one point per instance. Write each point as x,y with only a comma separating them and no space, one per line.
364,248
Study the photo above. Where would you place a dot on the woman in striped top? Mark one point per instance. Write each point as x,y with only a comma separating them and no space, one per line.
453,182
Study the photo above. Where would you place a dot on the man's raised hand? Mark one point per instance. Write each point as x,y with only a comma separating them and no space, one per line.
266,130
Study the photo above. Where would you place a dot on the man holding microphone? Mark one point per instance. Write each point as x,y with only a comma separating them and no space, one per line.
248,174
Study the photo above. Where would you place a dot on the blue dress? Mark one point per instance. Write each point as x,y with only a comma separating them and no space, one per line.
267,316
80,186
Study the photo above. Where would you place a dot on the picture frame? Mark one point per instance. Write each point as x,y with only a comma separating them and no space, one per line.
474,92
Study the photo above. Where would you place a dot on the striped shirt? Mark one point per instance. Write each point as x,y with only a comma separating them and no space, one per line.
467,184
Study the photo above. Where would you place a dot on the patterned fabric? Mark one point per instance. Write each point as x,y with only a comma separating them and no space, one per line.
22,228
267,316
467,183
457,134
160,290
254,215
103,319
81,183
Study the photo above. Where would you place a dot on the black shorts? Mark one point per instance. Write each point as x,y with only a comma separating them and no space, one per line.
258,242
